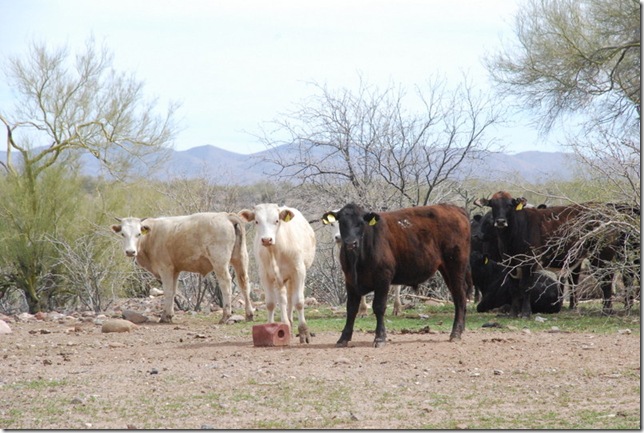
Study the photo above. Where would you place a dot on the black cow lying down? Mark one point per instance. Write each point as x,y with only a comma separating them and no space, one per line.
496,286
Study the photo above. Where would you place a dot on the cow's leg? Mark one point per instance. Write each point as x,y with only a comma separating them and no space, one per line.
363,309
379,308
607,290
225,282
285,309
296,291
169,281
524,289
573,280
454,277
353,302
240,266
397,303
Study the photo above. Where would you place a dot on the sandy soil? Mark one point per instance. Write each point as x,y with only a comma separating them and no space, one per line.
196,374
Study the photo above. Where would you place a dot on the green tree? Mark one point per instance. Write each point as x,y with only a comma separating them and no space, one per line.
573,57
66,106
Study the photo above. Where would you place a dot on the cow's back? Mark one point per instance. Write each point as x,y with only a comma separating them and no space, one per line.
188,243
418,236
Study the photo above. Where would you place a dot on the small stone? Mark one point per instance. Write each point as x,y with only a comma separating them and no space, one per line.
154,371
498,372
540,319
134,317
76,400
5,328
624,331
234,319
117,325
155,292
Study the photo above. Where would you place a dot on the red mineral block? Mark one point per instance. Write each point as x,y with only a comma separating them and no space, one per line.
271,334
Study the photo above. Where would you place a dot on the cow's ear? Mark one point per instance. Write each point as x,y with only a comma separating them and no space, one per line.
371,218
145,230
481,202
116,228
286,215
247,215
519,203
329,217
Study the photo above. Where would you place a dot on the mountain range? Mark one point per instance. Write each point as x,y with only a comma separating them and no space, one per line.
230,168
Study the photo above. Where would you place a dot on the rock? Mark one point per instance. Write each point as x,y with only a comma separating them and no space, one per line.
498,372
624,331
25,317
540,319
117,325
76,400
235,318
41,315
134,317
155,292
4,328
115,345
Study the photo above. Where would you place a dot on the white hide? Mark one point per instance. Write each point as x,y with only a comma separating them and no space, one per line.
200,243
284,248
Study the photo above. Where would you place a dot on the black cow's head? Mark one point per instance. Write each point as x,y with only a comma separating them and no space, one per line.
352,220
503,207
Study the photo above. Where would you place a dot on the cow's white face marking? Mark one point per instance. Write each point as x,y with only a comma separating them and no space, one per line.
267,222
130,230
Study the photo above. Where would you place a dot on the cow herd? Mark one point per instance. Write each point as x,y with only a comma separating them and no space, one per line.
378,250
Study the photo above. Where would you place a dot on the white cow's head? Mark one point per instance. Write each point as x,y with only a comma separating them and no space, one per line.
268,218
335,227
131,229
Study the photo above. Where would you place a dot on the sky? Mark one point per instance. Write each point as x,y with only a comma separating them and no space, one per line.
237,65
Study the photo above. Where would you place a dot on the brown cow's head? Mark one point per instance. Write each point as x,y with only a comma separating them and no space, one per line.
503,207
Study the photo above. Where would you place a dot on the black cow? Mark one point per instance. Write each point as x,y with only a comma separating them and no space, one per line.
527,237
497,285
406,247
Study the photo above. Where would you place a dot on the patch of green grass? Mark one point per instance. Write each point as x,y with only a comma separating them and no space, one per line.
38,384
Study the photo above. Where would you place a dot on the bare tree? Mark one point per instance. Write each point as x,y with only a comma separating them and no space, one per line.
371,147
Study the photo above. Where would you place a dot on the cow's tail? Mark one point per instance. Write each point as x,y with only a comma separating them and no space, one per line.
239,250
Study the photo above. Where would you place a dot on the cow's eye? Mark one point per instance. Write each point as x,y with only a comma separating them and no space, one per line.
277,221
138,235
256,222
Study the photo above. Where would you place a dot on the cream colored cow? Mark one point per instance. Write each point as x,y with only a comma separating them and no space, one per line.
202,243
284,248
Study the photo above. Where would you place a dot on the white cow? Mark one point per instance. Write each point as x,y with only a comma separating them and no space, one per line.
201,243
284,249
363,309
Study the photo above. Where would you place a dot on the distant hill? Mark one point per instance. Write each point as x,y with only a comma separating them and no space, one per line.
230,168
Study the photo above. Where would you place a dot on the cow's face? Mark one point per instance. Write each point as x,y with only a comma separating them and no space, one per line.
352,221
130,229
268,219
503,207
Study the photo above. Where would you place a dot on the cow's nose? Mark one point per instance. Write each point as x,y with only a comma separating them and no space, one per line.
130,253
501,222
338,239
351,245
267,242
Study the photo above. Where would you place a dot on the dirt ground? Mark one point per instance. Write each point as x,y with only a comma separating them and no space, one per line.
67,374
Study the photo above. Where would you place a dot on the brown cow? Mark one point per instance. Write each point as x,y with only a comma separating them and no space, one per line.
529,238
406,247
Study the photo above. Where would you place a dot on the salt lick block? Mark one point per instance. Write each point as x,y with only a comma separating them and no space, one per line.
271,334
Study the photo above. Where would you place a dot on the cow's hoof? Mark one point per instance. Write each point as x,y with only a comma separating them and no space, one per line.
165,319
250,317
342,343
455,337
379,343
305,335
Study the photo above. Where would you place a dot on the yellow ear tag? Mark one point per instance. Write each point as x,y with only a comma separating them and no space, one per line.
486,261
287,218
145,230
329,219
519,206
373,221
